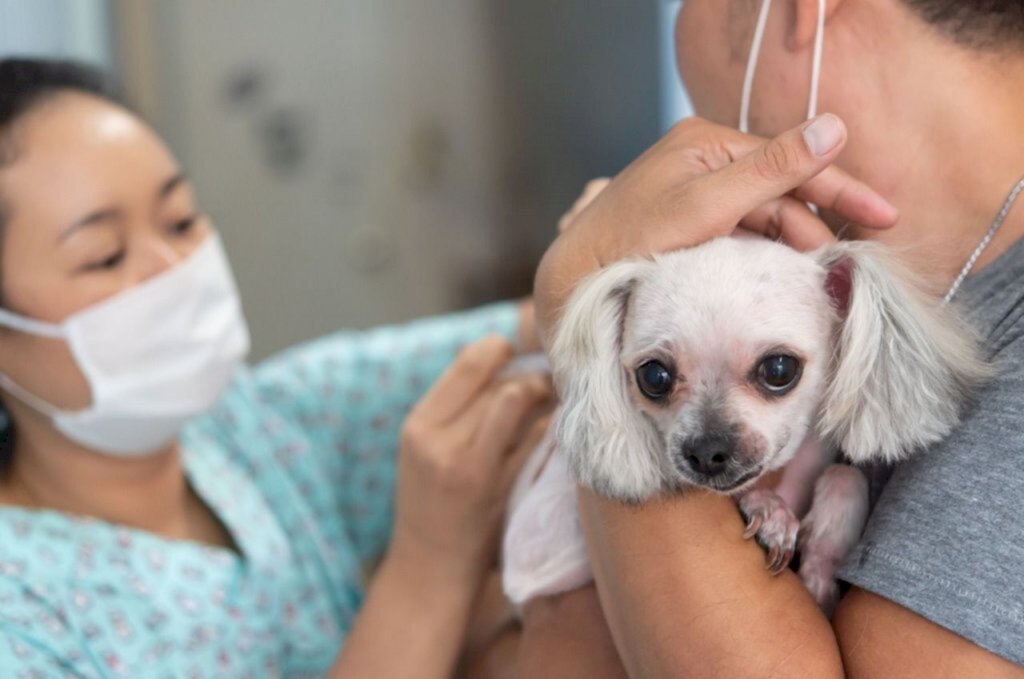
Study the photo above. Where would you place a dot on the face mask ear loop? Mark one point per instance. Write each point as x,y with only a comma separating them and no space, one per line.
819,48
748,79
32,327
27,397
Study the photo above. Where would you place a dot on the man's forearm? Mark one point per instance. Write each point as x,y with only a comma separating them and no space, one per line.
685,594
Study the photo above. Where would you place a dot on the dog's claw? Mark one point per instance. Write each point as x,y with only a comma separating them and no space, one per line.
787,558
774,524
780,563
753,526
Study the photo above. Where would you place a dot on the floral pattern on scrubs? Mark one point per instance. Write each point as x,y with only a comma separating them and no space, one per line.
298,462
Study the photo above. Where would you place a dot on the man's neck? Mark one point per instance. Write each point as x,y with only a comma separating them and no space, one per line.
944,141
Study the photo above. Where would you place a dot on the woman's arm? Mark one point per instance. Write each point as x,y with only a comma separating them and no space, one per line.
412,623
350,393
461,449
684,593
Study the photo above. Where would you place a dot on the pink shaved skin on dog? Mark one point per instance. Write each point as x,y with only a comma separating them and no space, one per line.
831,530
773,516
798,477
838,509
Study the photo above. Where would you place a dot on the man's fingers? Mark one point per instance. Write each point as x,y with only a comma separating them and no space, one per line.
787,215
837,192
774,168
832,190
590,191
473,369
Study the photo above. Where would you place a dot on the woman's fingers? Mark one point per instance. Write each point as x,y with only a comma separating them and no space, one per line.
790,216
522,451
473,369
513,403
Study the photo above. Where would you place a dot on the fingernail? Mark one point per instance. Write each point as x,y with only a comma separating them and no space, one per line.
823,134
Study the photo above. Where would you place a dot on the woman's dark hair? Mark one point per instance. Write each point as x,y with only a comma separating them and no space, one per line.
981,24
24,85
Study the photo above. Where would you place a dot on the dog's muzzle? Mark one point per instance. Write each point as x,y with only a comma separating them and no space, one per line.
712,461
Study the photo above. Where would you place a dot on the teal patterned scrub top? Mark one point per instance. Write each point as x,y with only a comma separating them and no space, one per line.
298,462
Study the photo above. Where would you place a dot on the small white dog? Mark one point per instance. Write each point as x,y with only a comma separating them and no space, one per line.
715,365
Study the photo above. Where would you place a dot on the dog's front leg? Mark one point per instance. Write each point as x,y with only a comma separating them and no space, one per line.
773,523
799,475
773,515
831,529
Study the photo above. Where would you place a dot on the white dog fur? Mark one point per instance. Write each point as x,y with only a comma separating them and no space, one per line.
884,371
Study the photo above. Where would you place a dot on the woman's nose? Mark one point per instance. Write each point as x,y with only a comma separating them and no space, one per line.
157,257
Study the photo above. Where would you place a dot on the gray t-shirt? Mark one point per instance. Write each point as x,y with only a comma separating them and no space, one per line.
946,537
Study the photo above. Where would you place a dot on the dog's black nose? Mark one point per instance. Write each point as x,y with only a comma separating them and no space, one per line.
709,455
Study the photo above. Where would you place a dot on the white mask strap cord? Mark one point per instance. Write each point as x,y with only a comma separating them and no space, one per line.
755,52
819,48
27,397
30,326
748,79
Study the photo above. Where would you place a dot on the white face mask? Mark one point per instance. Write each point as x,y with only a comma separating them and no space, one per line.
154,355
755,51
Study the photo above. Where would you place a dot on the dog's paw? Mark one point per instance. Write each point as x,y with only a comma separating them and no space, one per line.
819,577
771,520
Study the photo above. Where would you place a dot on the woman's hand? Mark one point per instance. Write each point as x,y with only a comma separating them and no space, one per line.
461,448
700,182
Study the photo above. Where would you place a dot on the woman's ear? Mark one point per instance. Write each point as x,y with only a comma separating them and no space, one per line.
805,20
904,366
608,445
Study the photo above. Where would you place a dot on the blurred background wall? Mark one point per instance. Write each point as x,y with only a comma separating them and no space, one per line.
369,161
75,29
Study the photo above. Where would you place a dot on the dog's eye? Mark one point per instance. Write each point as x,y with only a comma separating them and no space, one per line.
779,374
654,380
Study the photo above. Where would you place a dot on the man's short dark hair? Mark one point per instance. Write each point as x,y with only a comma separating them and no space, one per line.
981,24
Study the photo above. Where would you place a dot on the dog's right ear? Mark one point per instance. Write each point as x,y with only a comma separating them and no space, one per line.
609,446
904,367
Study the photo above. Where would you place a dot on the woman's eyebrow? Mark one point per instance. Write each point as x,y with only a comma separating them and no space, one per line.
168,186
113,214
92,219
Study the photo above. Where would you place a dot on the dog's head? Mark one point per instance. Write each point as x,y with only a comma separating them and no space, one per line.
710,366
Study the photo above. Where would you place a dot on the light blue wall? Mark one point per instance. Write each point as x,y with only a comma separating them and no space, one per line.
77,29
675,104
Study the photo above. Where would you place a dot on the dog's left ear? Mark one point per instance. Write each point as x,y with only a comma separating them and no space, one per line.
608,445
904,366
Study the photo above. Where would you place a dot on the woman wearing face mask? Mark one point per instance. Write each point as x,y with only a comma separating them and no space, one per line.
933,93
165,511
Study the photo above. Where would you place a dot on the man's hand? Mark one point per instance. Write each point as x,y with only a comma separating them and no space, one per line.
700,182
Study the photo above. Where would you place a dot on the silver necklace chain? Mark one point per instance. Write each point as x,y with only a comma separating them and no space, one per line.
986,239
